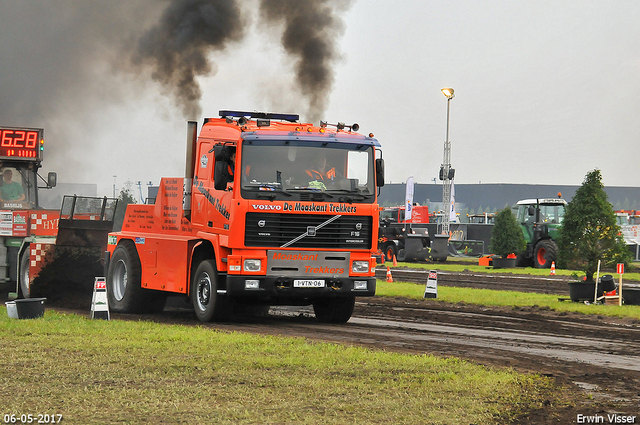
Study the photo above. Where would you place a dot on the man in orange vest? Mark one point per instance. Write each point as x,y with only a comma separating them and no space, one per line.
321,172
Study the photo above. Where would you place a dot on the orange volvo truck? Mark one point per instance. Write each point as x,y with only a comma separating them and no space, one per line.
271,211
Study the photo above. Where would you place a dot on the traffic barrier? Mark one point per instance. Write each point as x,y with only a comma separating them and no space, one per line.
553,269
389,277
99,302
431,290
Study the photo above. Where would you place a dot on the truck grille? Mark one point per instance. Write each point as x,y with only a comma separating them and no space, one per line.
276,230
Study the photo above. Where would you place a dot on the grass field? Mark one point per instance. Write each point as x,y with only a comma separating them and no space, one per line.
93,371
471,265
503,298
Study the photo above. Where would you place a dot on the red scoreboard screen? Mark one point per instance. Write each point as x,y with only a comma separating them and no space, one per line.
21,143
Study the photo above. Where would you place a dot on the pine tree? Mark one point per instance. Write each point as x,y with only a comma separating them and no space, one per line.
589,230
507,237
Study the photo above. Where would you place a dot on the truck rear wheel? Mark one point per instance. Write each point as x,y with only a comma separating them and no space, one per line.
544,254
334,310
207,303
124,291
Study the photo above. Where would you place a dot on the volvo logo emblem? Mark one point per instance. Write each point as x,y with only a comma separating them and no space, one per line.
261,223
359,226
311,230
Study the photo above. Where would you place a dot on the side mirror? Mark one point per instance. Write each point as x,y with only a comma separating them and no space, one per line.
222,154
220,176
379,172
531,211
52,179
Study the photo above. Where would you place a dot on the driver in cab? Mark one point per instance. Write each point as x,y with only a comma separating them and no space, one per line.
321,172
10,190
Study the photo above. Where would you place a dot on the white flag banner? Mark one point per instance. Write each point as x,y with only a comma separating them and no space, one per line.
452,208
408,199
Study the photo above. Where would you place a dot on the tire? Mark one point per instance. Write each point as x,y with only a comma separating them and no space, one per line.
23,277
544,254
402,255
334,310
207,303
390,252
124,290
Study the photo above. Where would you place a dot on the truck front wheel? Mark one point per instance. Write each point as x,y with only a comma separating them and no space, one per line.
334,310
207,303
544,254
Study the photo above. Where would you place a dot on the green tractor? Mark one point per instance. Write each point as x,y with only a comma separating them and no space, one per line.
540,220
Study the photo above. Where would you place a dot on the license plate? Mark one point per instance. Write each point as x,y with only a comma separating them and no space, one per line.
308,283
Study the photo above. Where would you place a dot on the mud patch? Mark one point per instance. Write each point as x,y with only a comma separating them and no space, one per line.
68,276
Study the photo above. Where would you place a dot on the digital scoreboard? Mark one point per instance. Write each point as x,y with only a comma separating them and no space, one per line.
21,143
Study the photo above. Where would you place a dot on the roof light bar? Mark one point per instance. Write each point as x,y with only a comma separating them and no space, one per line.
263,115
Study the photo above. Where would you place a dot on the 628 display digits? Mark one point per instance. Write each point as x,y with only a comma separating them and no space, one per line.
20,143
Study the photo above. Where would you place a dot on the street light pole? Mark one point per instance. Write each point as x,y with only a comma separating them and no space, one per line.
446,172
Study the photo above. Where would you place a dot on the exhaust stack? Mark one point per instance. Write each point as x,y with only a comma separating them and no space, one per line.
192,137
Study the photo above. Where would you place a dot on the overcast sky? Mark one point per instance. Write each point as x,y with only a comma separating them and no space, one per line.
545,91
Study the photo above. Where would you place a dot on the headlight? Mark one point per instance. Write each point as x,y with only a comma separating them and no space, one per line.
251,284
252,265
360,266
359,284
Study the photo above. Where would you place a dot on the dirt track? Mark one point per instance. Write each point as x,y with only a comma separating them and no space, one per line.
597,358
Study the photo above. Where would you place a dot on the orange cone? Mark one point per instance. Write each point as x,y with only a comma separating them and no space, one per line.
395,263
389,277
553,269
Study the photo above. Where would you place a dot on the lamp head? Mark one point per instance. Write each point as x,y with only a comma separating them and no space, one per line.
448,91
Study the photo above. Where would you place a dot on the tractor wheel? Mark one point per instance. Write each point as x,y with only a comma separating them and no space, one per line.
124,290
544,254
334,310
23,277
207,303
390,252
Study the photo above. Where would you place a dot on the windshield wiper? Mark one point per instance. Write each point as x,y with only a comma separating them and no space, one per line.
310,189
355,193
268,188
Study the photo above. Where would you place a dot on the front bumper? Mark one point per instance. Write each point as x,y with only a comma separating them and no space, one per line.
282,287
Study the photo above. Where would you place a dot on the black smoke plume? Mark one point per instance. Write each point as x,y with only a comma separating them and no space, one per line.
311,30
178,46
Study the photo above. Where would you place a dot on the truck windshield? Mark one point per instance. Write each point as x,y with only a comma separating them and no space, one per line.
308,170
18,186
